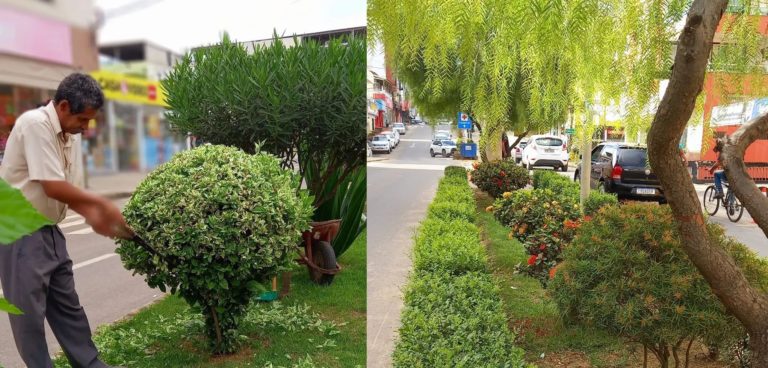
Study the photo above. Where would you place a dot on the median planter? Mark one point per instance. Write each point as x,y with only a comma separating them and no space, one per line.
217,223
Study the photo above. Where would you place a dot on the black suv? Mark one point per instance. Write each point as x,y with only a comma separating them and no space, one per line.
622,169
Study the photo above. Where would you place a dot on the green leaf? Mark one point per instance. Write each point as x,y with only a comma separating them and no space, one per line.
17,216
5,306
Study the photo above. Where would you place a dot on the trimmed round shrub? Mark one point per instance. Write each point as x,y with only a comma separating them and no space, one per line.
220,221
498,177
625,272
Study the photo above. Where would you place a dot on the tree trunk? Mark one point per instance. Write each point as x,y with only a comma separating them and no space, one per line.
520,138
747,304
491,140
745,189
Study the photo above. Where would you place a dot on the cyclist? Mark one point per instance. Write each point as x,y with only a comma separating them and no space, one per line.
717,170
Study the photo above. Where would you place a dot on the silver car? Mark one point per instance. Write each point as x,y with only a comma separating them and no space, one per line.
381,143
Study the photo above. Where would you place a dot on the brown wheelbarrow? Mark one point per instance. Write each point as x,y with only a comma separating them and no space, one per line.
318,253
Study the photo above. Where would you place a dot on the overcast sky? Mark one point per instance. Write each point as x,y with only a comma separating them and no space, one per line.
183,24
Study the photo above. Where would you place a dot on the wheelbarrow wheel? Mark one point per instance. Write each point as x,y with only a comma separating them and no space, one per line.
324,257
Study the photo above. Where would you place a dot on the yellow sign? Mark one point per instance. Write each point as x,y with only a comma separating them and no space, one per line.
118,87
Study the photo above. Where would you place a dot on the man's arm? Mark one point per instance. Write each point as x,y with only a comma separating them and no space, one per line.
101,214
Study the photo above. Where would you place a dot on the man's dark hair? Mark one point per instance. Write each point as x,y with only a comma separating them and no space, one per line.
81,91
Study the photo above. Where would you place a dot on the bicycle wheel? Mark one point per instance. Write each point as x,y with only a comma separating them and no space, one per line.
734,210
711,204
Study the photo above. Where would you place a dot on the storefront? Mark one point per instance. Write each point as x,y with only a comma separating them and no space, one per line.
131,133
15,100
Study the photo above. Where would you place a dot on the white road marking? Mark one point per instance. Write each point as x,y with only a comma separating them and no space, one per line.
86,231
70,224
85,263
382,165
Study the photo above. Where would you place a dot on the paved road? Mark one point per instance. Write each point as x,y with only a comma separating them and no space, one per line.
401,186
745,231
107,291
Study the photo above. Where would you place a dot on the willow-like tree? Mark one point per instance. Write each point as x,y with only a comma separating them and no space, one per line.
520,64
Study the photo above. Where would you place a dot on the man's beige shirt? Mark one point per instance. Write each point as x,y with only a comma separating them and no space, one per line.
38,149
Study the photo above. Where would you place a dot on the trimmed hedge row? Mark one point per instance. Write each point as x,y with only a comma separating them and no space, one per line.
453,314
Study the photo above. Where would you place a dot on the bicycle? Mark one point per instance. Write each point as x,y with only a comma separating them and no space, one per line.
733,207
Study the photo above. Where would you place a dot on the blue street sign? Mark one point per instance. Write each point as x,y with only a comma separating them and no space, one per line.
464,121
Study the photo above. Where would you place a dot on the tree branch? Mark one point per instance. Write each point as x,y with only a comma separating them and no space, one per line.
741,183
719,270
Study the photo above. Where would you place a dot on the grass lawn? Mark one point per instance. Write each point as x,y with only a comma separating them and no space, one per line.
534,317
313,326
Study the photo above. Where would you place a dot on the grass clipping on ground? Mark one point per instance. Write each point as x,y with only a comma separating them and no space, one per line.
534,318
313,326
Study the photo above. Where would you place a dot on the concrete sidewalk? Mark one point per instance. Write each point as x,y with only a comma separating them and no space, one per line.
115,186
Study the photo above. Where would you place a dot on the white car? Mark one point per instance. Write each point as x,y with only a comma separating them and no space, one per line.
381,143
545,150
444,147
400,128
393,136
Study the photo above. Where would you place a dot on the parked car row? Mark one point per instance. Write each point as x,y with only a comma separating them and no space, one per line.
388,140
617,168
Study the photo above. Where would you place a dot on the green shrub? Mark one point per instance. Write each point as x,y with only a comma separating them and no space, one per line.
453,315
555,182
220,220
449,211
454,321
455,171
625,272
448,247
312,114
528,211
498,177
597,200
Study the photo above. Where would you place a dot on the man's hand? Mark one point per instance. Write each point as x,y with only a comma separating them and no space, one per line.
105,219
101,214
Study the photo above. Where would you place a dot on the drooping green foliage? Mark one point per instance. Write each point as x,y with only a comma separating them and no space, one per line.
525,64
229,221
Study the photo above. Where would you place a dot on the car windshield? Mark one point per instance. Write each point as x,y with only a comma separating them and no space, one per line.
448,143
549,142
633,157
379,138
399,125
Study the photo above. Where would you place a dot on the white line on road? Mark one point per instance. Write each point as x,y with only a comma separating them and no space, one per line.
86,231
85,263
382,165
70,224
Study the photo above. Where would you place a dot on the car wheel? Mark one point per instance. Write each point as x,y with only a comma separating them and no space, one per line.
444,155
564,168
431,152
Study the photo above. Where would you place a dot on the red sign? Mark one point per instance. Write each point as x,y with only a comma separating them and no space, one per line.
152,92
